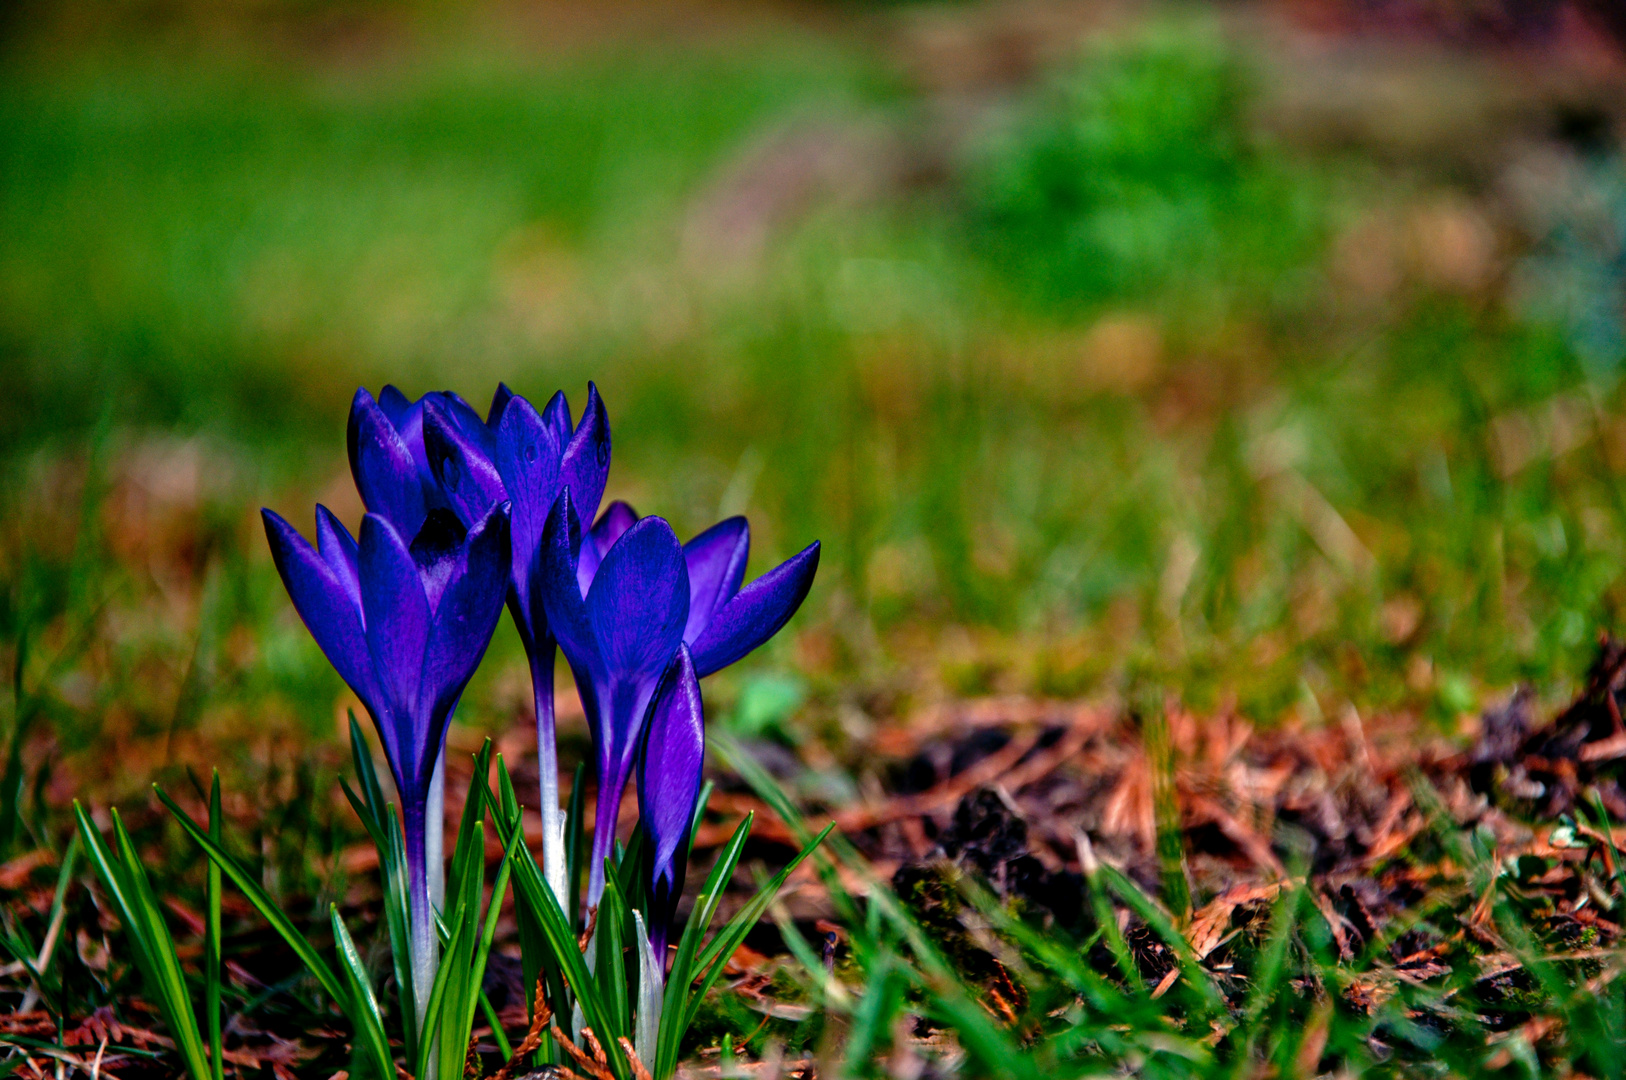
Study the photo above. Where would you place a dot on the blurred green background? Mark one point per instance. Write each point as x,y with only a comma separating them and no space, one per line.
1265,353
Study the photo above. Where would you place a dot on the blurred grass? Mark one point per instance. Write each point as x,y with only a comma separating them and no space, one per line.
1079,399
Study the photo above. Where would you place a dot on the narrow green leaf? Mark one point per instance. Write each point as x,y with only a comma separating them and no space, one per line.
611,967
1197,977
575,842
267,907
482,951
504,1047
464,856
700,810
463,987
366,775
175,1001
674,1006
956,1005
631,873
487,936
437,1004
873,1018
212,938
149,937
1107,919
533,940
397,920
369,1020
716,883
722,946
563,951
38,961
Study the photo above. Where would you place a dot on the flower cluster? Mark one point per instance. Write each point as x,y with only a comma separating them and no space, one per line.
465,515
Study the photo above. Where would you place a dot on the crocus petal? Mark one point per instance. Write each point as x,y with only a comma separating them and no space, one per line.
585,465
716,560
407,416
464,621
324,603
460,461
464,415
437,551
383,466
617,518
669,785
527,458
643,576
338,550
398,407
556,415
637,606
563,609
499,402
756,613
398,621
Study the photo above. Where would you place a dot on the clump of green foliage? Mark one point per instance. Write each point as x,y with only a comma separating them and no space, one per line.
1134,174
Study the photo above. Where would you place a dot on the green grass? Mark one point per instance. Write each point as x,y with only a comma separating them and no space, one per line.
1093,412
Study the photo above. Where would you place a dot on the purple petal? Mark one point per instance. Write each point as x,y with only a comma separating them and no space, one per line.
528,449
396,406
453,407
617,518
437,551
398,620
585,466
756,613
338,550
383,466
464,621
636,609
325,605
557,604
499,402
639,600
407,417
556,415
716,560
669,785
461,464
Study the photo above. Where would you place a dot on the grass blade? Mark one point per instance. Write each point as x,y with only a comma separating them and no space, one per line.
263,903
576,841
611,968
212,937
366,775
369,1020
674,1008
563,953
149,936
1197,977
715,956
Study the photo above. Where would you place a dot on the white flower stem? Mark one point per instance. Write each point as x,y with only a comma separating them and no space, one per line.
434,837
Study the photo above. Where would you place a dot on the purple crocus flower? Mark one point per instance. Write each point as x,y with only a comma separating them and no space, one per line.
725,621
721,623
391,468
669,775
387,455
405,625
619,638
525,457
